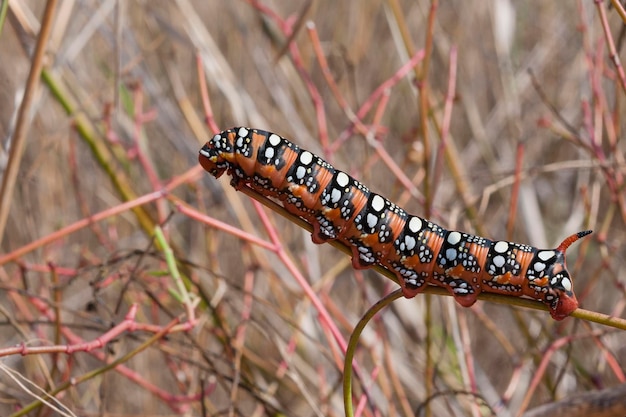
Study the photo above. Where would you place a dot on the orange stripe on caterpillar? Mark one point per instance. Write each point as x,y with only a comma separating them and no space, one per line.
416,250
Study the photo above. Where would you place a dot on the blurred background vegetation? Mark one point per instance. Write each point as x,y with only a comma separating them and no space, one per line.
508,124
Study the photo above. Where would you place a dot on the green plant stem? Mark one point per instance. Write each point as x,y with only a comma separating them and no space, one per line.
101,153
352,344
3,14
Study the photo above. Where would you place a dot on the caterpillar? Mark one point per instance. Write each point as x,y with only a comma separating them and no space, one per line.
416,250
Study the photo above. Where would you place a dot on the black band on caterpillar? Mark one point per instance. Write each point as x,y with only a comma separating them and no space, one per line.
416,250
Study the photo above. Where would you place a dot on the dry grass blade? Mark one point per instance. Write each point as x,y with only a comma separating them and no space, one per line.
18,141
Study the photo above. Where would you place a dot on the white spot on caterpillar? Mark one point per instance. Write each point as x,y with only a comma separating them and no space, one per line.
567,284
300,172
501,246
269,153
242,132
415,224
451,254
306,157
205,153
409,241
498,261
544,255
454,238
366,255
274,139
539,266
372,220
378,203
342,179
461,289
335,196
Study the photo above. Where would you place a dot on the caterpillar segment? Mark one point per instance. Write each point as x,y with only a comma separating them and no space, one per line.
416,250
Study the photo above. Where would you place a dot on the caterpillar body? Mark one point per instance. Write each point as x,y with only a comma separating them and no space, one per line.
416,250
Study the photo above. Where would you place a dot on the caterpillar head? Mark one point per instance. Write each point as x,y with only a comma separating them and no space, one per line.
211,156
557,289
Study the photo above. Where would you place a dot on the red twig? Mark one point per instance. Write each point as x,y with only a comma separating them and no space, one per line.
613,56
376,94
519,164
321,59
127,325
206,102
326,318
211,222
190,175
316,98
546,358
446,119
